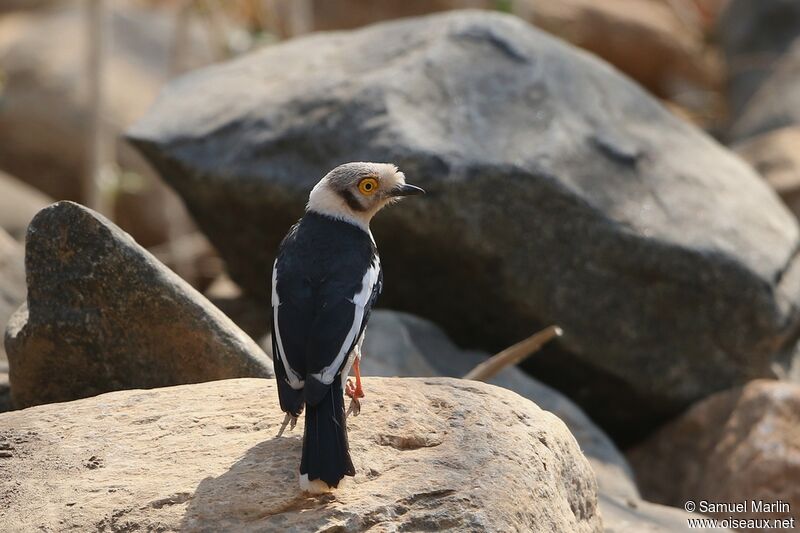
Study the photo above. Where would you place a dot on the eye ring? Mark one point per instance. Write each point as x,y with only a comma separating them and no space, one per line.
368,186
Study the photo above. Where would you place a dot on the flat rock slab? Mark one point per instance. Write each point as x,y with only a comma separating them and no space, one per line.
430,454
559,192
103,314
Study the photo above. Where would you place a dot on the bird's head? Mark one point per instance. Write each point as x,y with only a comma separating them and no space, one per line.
355,192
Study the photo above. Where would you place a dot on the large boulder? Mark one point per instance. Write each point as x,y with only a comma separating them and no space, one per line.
558,193
103,314
430,454
738,445
753,36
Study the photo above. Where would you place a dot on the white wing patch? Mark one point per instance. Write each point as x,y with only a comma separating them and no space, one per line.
360,300
292,377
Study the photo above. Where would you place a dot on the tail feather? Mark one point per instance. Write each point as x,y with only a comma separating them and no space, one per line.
326,452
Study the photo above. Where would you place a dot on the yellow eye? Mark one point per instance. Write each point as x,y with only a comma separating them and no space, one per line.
368,186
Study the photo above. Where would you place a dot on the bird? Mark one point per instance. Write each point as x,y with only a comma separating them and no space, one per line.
326,277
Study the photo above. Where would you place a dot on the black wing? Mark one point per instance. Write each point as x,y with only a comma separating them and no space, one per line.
319,314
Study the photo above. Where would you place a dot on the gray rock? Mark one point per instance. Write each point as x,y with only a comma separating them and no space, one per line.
754,35
776,104
103,314
399,344
558,193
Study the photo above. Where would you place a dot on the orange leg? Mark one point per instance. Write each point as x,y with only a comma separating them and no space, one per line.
355,392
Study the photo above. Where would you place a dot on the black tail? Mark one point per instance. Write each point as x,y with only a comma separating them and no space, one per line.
326,453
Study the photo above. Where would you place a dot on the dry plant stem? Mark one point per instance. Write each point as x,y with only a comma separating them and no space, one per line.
513,354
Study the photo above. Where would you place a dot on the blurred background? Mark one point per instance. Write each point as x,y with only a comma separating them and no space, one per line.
76,74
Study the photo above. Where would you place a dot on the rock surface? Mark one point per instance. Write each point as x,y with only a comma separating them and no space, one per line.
399,344
19,202
12,294
776,156
742,444
430,454
557,189
103,314
754,35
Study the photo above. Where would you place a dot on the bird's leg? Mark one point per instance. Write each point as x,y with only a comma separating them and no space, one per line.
286,420
355,392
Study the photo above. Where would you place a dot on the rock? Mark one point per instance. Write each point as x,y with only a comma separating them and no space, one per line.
775,156
103,314
430,454
18,204
399,344
775,104
557,190
741,444
44,116
12,294
754,35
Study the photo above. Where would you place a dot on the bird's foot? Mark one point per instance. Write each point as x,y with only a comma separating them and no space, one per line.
286,421
355,407
354,392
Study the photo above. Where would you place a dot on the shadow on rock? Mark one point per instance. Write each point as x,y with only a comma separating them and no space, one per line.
259,491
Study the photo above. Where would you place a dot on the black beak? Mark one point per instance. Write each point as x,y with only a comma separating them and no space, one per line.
407,190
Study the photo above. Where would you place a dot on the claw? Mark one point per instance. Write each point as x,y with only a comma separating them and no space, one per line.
286,420
350,389
355,406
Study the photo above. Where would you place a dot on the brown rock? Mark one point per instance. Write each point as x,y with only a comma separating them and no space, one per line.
738,445
19,202
430,455
776,156
103,314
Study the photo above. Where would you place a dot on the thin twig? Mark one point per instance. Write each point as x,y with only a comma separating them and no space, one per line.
513,354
